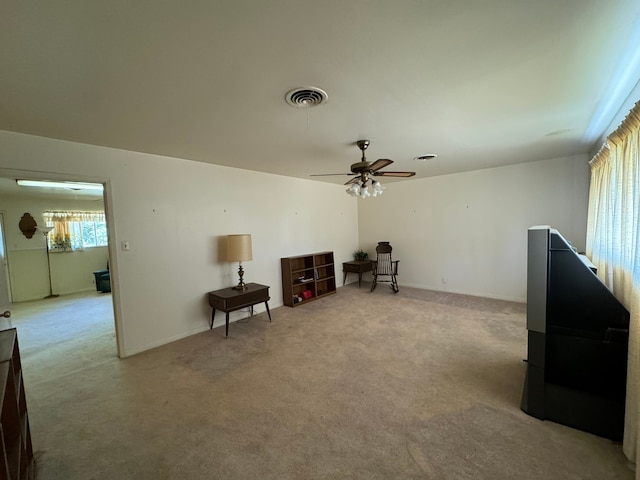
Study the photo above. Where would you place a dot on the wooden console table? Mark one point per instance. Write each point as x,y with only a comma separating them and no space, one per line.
356,266
229,299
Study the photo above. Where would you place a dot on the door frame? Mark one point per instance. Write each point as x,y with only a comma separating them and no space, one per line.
5,283
107,198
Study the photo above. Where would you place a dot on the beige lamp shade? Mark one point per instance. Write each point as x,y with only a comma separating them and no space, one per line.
239,248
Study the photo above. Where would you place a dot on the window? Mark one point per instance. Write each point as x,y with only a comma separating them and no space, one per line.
76,230
613,242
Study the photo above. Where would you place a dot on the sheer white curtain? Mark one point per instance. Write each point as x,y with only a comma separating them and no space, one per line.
613,244
67,231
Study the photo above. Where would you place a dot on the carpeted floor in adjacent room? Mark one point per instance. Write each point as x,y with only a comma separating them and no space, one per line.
359,385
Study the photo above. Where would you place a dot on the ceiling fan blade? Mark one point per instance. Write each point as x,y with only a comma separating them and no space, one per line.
329,174
394,174
380,163
353,180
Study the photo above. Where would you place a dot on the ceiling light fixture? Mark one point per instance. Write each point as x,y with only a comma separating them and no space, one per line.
377,188
361,188
424,158
64,185
558,132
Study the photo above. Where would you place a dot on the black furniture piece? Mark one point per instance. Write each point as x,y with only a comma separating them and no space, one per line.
355,266
230,299
578,336
103,280
383,266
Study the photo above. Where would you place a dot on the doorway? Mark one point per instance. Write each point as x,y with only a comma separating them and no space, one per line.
25,259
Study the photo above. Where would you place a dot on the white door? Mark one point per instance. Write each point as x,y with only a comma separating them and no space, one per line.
5,302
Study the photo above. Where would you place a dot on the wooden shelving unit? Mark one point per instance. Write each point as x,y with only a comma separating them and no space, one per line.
307,277
16,458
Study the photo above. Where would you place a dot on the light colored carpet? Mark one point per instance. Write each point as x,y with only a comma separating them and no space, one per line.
360,385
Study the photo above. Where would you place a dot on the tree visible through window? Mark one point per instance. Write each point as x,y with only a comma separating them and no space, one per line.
94,234
76,230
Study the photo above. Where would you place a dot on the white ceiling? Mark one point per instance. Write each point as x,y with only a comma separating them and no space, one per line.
480,83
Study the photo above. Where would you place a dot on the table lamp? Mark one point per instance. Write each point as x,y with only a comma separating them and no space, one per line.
239,250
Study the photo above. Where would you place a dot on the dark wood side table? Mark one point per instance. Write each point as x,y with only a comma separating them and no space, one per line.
356,266
229,299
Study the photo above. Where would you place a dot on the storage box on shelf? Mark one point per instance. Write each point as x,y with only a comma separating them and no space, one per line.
16,459
307,277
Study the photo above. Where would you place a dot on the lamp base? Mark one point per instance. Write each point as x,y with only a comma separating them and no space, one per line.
53,295
241,285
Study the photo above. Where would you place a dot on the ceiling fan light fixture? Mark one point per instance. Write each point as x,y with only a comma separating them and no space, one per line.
378,188
365,171
353,190
361,189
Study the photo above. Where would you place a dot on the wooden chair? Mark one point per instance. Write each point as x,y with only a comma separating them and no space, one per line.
384,266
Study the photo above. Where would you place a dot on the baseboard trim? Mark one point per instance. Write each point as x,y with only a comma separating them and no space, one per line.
462,292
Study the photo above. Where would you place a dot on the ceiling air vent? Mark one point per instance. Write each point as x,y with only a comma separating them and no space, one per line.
306,97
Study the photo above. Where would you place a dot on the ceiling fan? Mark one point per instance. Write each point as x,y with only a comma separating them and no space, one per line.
364,170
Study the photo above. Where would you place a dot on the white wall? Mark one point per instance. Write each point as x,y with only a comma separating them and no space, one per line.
174,213
468,229
467,232
71,272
